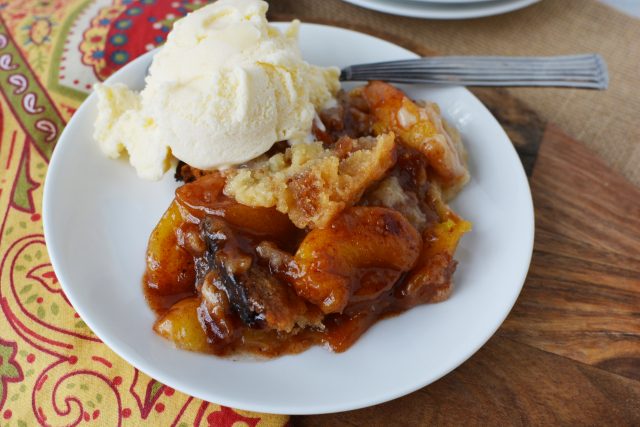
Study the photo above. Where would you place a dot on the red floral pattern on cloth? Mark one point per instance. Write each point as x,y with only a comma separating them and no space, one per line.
53,369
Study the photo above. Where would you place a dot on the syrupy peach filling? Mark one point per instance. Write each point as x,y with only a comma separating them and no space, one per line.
312,243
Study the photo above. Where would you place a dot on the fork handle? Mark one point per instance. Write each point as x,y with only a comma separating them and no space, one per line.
577,71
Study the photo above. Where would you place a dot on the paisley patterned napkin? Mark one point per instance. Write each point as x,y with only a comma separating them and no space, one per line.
53,370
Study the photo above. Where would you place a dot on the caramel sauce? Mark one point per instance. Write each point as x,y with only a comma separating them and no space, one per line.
246,272
373,299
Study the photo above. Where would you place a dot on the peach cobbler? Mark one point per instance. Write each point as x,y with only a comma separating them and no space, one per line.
312,242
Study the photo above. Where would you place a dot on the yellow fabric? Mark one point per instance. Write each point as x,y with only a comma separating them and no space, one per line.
53,370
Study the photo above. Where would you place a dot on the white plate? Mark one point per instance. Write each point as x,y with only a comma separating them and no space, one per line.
443,9
98,216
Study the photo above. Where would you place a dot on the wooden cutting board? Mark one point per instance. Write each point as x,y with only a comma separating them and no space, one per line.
569,352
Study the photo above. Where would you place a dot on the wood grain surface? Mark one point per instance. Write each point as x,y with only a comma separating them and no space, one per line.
569,352
582,296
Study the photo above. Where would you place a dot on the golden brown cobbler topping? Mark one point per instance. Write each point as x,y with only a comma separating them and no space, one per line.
311,183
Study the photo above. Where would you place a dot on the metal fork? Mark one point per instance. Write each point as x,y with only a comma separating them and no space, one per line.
578,71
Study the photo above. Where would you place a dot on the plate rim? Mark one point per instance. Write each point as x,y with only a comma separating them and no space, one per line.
420,9
259,407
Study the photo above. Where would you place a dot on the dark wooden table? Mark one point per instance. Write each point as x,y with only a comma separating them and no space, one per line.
569,352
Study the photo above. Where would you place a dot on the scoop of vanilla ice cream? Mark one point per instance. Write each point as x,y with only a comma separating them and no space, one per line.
224,88
121,127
